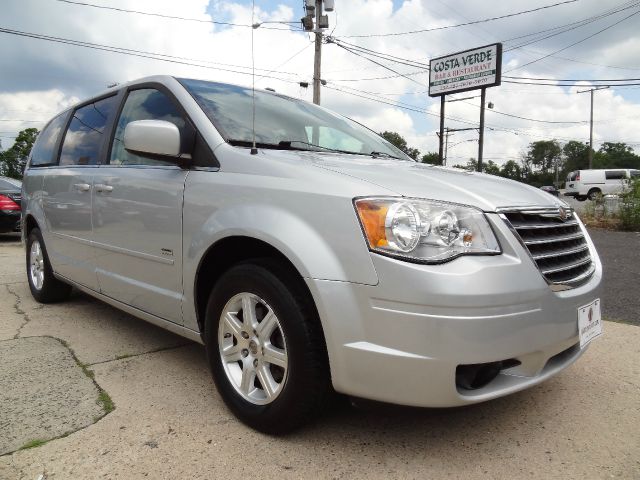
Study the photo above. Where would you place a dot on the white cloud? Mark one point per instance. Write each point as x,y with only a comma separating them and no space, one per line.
49,75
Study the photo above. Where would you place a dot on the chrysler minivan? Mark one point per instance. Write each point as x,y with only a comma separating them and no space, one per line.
320,259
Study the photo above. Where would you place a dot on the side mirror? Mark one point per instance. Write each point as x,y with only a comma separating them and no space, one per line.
155,137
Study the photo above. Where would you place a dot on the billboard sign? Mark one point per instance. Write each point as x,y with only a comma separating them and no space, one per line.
468,70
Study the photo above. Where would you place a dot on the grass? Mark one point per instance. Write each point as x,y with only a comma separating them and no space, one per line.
105,400
33,444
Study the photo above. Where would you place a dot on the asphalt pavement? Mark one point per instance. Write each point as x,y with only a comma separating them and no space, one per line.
620,256
97,393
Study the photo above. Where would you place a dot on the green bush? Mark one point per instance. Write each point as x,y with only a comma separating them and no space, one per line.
630,207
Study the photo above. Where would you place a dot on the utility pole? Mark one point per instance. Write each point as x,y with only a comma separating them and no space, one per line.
483,97
314,9
591,90
446,145
441,132
449,131
317,56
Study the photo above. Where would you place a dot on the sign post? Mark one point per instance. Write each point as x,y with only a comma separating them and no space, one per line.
476,68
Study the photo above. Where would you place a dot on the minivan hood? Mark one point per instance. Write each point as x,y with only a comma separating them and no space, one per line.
419,180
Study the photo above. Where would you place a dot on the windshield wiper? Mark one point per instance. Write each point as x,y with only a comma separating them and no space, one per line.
283,145
287,144
375,154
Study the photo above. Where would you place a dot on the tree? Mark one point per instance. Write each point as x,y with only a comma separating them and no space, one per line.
397,140
616,155
544,155
432,158
576,156
14,159
491,167
511,170
470,166
542,163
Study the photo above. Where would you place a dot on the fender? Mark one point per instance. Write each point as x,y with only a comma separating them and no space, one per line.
315,253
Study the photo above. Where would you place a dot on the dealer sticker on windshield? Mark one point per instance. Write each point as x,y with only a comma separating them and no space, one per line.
589,322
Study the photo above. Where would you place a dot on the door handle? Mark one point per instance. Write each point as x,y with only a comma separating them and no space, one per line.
82,187
101,187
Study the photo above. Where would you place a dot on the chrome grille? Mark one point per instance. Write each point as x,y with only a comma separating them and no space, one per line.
557,245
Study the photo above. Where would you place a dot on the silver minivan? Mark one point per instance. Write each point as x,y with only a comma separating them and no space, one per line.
322,260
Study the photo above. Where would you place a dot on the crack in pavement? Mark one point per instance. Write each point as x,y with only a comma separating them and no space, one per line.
89,374
19,311
124,357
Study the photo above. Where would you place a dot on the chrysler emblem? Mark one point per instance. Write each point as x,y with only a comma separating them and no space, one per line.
564,214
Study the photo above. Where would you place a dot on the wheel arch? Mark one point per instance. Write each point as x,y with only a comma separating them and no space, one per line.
229,251
29,224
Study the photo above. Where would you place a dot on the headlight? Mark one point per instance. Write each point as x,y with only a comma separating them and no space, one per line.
424,231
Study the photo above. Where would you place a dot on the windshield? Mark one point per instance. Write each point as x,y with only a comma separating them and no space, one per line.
284,122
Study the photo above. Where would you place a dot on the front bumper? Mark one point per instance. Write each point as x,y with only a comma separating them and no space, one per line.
402,340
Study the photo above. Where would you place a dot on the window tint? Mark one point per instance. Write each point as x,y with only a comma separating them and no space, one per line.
145,104
84,136
615,175
43,150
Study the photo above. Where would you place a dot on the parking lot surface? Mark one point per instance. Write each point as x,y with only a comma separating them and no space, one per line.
159,415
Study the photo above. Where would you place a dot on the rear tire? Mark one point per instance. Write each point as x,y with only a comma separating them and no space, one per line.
44,287
593,194
299,383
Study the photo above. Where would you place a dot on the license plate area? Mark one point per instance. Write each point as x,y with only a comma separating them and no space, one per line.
589,322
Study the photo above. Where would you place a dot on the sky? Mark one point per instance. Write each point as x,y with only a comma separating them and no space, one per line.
39,78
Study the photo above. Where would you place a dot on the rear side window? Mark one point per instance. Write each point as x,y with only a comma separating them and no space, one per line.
145,104
84,137
635,173
44,149
615,174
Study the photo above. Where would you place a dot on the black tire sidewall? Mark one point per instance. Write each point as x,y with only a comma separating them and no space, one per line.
275,416
52,289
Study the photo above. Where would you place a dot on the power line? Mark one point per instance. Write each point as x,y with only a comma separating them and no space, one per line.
382,55
541,84
417,64
574,79
131,52
560,29
174,17
419,72
574,43
23,121
380,64
459,24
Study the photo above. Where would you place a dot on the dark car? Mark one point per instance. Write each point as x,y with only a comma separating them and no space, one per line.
551,189
10,210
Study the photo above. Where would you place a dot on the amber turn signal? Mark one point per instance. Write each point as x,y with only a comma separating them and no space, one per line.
372,217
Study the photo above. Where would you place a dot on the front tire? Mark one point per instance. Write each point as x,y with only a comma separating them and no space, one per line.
265,348
44,287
